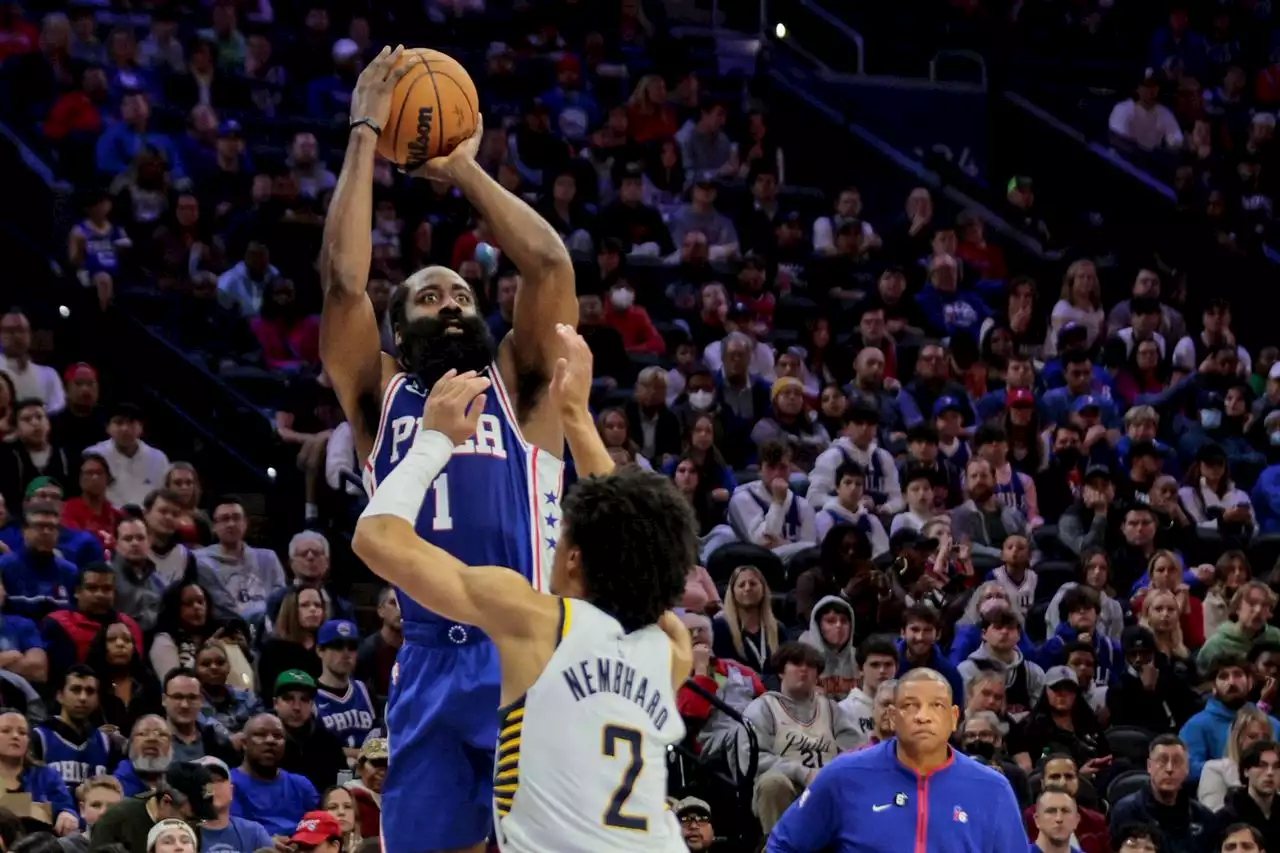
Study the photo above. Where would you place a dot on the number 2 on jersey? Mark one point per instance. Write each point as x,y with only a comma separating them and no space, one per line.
441,519
612,736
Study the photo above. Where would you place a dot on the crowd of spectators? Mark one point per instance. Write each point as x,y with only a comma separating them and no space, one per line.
902,449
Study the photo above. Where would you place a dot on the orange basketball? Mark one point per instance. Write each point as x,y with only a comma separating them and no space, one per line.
434,108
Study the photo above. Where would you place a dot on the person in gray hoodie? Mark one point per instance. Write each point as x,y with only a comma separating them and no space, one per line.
877,664
831,633
1023,680
983,519
799,731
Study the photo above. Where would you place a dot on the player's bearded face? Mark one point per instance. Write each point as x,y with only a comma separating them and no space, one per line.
430,346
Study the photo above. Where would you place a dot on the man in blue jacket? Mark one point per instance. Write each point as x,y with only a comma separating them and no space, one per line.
918,646
36,580
913,786
1207,732
1080,607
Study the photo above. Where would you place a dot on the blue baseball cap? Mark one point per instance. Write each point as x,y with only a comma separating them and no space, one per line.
230,127
949,403
337,631
1086,401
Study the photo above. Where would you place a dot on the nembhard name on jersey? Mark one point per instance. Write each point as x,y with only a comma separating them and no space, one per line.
610,676
486,442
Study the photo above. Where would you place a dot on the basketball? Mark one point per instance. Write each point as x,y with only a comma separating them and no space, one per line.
434,108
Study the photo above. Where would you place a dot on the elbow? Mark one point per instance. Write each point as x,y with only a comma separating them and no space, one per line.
364,542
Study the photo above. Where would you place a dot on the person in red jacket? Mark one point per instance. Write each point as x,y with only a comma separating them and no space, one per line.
729,681
1058,772
91,511
69,633
631,321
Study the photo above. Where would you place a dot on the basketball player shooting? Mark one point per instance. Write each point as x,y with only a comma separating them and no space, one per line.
590,672
495,502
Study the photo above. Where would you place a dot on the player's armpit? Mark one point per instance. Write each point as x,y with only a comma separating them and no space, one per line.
495,599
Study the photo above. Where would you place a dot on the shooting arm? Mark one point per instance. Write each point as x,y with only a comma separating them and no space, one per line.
350,346
495,599
546,296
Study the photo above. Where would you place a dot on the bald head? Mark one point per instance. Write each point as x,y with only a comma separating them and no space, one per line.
922,674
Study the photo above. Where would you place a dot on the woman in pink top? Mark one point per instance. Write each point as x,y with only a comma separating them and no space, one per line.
290,339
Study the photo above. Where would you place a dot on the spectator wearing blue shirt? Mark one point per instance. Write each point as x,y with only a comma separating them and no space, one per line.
227,833
949,311
42,783
263,792
36,580
1265,495
329,97
241,288
79,547
1060,403
917,399
123,141
573,111
912,786
918,646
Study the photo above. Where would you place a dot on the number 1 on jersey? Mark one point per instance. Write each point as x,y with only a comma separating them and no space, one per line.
614,817
441,519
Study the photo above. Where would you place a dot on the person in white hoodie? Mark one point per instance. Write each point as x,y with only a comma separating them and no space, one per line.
849,506
1014,574
831,633
1212,500
877,661
857,443
917,486
1023,680
766,513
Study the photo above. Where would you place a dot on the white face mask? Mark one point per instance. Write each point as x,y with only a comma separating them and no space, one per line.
622,299
701,400
1210,418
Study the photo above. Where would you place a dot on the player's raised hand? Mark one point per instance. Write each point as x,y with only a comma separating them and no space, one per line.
455,404
446,168
571,385
372,96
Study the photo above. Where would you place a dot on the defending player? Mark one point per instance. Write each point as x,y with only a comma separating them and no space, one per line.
589,679
495,503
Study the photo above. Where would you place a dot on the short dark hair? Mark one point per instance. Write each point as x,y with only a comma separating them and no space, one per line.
1000,617
1255,833
227,500
923,432
100,459
1137,831
1252,755
989,434
97,567
166,495
1166,740
178,672
1080,598
800,654
876,644
28,403
774,453
1071,648
850,469
1261,648
1076,356
638,540
77,670
921,613
1226,660
918,472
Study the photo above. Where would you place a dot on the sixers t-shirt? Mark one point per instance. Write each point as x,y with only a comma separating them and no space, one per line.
239,836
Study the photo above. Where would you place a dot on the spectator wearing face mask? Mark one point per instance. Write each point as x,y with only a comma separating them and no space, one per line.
632,322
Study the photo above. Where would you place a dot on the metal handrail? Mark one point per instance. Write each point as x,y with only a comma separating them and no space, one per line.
827,18
746,781
971,56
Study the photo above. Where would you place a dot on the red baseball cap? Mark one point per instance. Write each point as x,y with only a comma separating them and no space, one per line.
316,828
71,371
1018,397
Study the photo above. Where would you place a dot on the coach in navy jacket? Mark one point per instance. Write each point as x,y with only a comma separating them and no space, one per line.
868,800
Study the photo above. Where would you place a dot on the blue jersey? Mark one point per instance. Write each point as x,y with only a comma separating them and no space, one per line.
75,764
497,501
349,715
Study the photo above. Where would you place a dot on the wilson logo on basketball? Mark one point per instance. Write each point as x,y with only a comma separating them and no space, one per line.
420,146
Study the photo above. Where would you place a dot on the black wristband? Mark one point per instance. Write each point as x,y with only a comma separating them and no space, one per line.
367,122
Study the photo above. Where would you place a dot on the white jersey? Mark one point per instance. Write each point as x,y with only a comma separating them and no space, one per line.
582,758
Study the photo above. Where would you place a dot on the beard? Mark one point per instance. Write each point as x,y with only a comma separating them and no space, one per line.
428,351
981,495
157,764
